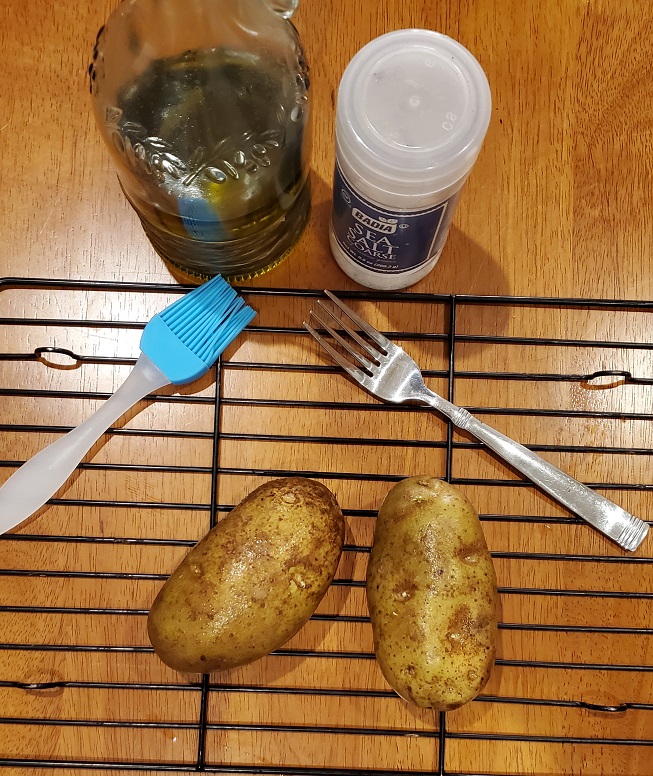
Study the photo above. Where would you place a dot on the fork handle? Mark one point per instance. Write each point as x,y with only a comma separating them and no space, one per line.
610,519
30,486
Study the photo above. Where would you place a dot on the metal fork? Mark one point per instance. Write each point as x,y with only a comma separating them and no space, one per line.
389,373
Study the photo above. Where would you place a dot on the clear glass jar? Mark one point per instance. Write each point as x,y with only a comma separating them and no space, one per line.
204,106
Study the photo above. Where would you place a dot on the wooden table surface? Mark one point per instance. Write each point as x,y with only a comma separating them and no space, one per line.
560,204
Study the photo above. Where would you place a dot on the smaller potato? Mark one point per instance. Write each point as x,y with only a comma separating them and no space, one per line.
432,595
253,581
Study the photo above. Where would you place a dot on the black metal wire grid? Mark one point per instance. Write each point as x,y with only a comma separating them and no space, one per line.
440,736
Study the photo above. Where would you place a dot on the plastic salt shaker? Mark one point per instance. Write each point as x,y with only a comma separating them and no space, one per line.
413,110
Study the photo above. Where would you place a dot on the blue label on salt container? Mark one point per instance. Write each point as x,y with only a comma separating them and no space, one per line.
383,240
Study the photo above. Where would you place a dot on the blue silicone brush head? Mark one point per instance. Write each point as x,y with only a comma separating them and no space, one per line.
186,338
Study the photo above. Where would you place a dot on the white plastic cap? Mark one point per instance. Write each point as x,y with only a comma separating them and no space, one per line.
413,109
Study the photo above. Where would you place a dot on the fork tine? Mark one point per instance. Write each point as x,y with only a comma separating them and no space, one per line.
365,346
364,362
356,373
372,333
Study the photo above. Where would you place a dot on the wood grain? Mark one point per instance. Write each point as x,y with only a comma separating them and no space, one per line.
560,203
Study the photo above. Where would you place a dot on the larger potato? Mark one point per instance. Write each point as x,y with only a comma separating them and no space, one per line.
432,595
253,581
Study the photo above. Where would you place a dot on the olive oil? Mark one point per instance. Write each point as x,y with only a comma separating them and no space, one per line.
220,142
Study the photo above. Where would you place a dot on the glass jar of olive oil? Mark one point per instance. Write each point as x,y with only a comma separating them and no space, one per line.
204,106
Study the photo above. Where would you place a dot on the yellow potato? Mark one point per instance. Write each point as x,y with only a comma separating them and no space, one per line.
432,595
253,581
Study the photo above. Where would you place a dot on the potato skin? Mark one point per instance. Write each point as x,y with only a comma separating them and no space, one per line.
432,595
253,581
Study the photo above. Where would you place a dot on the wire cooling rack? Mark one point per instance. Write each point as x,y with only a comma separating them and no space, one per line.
81,687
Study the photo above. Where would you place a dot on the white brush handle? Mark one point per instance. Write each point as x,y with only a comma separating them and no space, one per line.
38,479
